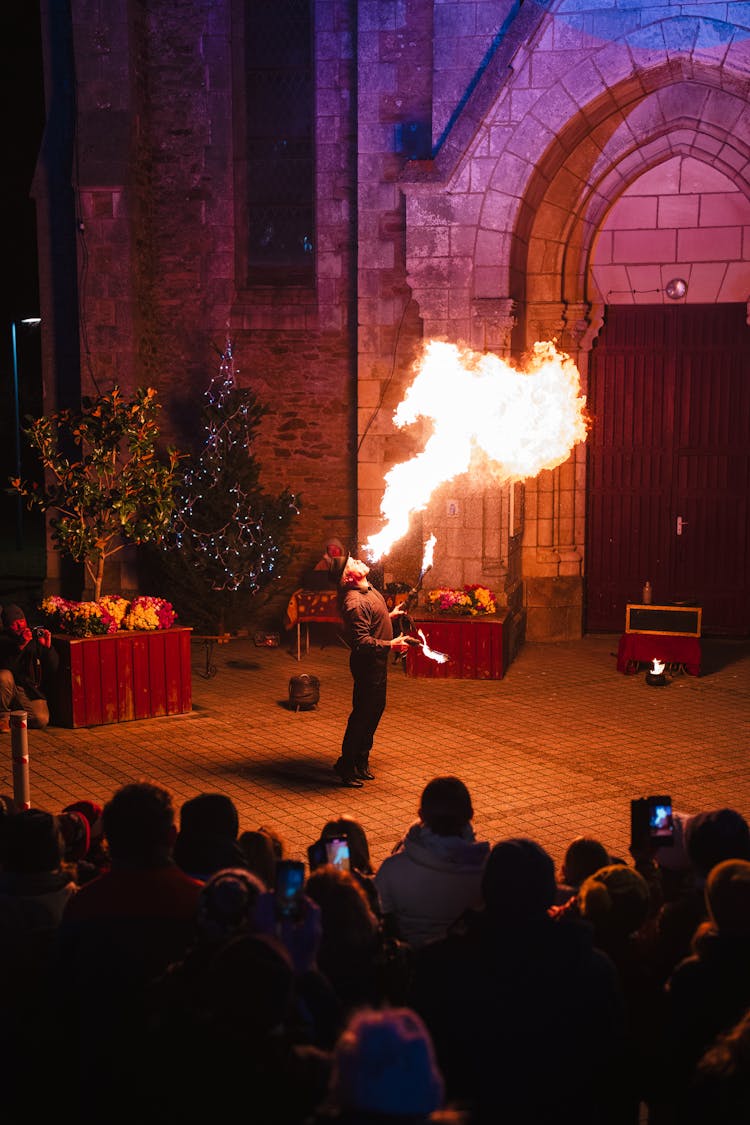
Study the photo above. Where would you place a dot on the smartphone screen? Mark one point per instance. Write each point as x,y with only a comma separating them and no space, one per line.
660,820
652,821
337,853
290,882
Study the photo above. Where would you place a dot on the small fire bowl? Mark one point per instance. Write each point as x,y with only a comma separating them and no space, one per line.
657,679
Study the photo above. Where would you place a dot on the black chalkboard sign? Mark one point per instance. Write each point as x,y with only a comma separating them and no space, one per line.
676,621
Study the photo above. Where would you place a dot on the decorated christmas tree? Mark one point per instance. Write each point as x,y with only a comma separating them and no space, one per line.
228,539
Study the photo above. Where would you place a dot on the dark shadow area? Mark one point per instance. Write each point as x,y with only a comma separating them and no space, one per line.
244,665
300,775
718,653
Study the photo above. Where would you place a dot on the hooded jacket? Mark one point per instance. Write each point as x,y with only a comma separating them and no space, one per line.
430,881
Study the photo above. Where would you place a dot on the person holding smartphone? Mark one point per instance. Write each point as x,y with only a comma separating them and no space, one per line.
369,633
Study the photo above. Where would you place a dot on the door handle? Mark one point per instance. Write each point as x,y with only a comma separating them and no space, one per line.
680,524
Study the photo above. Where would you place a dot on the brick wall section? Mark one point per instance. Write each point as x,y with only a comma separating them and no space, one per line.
105,51
161,248
395,78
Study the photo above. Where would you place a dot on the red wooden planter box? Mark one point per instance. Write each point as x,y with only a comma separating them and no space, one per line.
121,676
478,647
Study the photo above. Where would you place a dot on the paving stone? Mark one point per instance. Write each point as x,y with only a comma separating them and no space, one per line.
554,750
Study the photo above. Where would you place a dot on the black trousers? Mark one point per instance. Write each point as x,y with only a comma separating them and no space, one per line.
370,674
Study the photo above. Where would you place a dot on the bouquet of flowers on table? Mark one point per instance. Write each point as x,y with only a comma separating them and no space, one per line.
109,614
470,601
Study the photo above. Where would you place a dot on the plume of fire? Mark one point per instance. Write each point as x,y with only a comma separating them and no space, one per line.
657,667
484,411
427,555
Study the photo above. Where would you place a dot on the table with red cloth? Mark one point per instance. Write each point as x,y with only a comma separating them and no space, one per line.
478,647
307,606
635,649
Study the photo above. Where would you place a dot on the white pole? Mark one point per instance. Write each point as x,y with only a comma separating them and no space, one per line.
19,741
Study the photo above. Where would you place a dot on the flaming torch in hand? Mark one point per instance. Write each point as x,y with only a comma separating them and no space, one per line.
404,622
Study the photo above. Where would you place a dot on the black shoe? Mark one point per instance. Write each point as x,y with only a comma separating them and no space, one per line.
365,775
350,781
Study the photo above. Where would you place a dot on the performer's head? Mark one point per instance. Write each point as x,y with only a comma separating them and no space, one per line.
355,571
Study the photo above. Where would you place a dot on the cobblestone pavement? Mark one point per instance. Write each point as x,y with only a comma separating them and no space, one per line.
555,749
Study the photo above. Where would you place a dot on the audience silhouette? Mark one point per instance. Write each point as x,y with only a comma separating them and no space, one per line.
435,872
119,931
616,994
526,1015
207,838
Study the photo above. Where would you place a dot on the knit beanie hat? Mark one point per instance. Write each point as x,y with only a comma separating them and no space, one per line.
93,814
12,613
226,904
615,900
384,1063
728,896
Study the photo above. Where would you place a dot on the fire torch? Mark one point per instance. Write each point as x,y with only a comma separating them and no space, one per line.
404,623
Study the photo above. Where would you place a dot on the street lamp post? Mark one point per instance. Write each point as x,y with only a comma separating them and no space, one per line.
29,322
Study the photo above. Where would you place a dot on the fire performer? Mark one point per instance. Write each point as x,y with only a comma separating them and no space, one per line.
369,633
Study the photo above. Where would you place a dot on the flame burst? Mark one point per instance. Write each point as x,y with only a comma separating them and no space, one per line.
428,555
484,412
430,653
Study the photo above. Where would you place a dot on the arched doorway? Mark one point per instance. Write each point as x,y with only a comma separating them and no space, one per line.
669,464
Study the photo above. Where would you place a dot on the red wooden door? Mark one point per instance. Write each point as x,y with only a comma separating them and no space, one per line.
669,464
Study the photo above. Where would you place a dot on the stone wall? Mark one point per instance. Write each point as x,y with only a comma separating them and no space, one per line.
472,159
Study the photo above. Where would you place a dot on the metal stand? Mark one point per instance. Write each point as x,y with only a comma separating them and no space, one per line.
208,641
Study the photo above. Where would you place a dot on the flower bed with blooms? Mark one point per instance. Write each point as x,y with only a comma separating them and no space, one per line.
469,601
109,615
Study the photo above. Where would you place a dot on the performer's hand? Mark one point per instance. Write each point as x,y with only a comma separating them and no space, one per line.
403,642
398,610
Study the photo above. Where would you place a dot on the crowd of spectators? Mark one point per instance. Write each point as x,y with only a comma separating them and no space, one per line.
149,973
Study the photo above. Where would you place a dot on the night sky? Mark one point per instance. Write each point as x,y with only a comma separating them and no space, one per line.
23,120
22,100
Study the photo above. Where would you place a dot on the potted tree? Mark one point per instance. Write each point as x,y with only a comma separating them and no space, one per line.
105,486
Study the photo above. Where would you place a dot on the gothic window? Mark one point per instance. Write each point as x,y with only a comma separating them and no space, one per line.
278,141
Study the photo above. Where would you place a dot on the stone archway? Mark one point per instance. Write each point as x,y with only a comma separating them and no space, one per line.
499,243
554,247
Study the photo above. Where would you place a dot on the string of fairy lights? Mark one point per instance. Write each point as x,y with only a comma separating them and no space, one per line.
222,520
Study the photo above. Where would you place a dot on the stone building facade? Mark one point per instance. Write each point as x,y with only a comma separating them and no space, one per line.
487,172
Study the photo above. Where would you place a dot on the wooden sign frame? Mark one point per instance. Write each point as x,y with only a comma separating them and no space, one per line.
668,620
